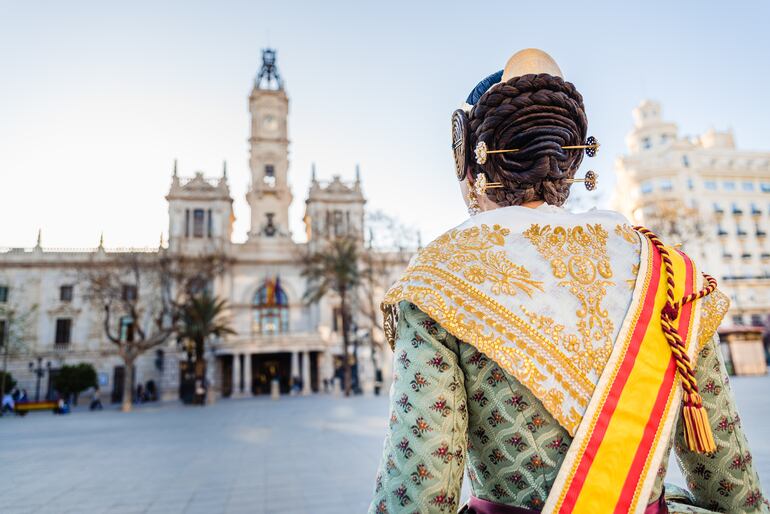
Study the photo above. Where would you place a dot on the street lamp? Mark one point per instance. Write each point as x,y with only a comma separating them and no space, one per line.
39,371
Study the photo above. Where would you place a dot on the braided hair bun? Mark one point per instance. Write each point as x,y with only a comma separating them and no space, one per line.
538,114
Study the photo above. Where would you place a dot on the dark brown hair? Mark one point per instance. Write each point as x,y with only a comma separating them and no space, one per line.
537,114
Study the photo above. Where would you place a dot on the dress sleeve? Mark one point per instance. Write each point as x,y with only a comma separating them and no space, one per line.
422,463
726,480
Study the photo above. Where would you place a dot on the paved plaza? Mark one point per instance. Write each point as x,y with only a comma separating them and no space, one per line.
298,454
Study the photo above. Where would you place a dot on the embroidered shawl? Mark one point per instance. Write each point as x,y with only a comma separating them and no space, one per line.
542,292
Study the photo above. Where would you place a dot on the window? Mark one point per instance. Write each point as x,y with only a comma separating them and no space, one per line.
199,216
690,184
129,293
187,223
646,188
3,294
271,308
126,329
269,177
710,185
209,225
336,319
685,161
646,143
729,185
339,229
65,293
765,187
2,332
756,320
63,331
666,185
737,319
747,186
718,209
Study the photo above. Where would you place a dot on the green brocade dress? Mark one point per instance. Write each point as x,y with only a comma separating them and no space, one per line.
452,409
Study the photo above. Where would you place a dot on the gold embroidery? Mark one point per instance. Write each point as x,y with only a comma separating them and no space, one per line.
634,272
456,279
478,254
578,257
714,309
628,233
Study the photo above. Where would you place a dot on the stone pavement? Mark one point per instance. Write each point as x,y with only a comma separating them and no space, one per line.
316,455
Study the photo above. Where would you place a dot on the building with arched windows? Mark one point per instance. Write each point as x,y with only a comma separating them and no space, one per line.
277,336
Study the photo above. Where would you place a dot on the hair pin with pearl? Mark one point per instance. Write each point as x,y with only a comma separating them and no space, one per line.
591,147
590,180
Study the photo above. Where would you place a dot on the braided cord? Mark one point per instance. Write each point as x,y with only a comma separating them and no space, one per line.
697,429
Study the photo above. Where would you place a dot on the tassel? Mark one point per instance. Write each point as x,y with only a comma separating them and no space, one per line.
697,430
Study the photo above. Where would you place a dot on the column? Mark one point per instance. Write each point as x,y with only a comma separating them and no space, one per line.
247,374
306,389
236,374
294,368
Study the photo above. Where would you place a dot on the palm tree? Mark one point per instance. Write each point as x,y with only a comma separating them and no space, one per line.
203,316
334,268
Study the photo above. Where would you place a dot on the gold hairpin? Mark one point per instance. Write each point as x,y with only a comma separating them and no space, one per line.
590,180
591,147
481,185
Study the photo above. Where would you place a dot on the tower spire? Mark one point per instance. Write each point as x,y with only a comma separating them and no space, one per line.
175,168
312,172
39,243
269,71
224,169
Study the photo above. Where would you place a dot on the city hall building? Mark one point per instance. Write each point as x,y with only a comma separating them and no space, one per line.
277,335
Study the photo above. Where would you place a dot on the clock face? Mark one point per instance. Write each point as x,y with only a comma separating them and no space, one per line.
270,122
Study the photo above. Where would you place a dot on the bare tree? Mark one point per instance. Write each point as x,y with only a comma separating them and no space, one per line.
142,296
15,323
389,247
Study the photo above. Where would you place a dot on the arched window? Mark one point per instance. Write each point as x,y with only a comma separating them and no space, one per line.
271,308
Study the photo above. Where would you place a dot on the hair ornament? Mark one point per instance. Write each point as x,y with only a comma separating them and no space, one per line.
482,151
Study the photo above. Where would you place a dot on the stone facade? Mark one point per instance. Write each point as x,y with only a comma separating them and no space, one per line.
708,195
277,336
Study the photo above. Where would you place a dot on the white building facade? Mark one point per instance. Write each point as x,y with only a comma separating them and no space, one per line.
708,195
277,335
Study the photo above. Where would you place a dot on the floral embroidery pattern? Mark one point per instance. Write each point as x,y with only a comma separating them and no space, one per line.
516,461
477,253
578,257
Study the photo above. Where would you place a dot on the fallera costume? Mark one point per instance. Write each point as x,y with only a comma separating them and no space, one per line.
557,358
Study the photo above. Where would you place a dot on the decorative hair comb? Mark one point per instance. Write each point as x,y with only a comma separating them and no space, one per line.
590,180
591,147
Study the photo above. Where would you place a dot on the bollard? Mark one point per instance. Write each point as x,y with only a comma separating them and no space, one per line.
275,389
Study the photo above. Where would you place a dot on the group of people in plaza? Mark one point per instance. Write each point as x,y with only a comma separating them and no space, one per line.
11,398
554,358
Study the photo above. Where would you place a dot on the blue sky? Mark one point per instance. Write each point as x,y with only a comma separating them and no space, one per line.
98,98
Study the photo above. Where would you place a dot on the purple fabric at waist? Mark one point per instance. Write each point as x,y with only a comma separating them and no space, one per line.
479,506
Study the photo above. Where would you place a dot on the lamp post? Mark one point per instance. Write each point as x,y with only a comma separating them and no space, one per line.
39,371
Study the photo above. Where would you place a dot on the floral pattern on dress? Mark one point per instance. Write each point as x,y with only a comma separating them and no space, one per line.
454,409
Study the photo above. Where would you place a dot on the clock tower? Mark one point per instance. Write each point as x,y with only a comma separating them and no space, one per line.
269,195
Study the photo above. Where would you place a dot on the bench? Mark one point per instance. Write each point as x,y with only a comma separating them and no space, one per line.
22,408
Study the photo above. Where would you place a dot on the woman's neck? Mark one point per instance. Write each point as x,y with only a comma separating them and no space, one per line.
489,205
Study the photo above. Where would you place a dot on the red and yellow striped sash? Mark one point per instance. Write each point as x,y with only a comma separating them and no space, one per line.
617,449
